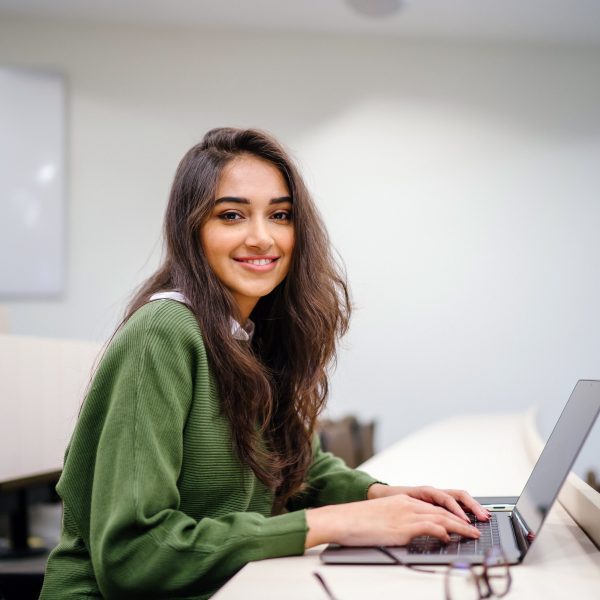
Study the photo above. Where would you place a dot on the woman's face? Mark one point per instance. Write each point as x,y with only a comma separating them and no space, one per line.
249,237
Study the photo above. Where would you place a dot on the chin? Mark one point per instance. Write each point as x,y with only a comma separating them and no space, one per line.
258,294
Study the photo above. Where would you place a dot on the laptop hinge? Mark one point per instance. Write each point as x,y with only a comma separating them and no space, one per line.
522,533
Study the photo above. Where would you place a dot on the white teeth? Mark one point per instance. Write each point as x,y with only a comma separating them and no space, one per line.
260,261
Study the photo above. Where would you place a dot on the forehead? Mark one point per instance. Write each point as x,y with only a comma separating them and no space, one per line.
248,176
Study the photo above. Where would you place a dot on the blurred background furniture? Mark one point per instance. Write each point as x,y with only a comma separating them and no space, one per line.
42,384
347,438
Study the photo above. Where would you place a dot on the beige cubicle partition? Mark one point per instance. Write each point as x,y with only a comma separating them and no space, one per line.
42,383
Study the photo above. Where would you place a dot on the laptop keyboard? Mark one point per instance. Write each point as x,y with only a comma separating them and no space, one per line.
459,545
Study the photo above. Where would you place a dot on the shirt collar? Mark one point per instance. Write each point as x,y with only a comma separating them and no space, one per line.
243,333
239,332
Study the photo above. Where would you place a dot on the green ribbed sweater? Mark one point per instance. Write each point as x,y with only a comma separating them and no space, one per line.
156,504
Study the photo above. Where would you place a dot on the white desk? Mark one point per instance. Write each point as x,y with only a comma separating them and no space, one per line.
483,454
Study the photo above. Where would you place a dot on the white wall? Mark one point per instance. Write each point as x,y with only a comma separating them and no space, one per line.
460,185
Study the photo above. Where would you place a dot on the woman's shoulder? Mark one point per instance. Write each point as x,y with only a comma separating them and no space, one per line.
162,322
163,311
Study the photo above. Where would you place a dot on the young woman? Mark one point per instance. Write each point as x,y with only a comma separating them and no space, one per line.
195,450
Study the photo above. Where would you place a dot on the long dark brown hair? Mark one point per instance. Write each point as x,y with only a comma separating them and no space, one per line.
279,382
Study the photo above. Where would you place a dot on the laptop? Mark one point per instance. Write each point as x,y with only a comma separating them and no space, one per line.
516,521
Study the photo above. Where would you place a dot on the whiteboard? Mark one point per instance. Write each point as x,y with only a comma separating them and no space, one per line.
32,183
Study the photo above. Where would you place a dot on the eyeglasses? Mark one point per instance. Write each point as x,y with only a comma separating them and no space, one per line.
473,582
463,581
324,585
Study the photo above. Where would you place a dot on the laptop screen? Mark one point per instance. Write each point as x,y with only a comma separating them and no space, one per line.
558,456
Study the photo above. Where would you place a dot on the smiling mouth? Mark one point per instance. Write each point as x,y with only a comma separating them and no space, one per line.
257,261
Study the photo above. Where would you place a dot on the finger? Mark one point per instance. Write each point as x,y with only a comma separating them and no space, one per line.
471,504
457,526
441,527
445,499
428,528
424,508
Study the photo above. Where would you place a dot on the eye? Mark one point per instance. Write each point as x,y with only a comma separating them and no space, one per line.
282,215
230,216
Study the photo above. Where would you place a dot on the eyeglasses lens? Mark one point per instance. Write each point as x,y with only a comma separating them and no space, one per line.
498,575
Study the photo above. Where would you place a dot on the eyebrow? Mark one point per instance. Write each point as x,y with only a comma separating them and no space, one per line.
237,200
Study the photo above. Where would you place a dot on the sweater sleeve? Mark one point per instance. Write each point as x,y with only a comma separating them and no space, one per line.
141,544
330,481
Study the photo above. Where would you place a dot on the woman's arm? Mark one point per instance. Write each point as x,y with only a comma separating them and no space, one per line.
124,467
452,500
350,507
330,481
388,521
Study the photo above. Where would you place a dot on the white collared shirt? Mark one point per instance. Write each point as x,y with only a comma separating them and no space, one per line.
239,332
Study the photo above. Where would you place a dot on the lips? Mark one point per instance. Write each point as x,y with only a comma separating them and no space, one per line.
258,261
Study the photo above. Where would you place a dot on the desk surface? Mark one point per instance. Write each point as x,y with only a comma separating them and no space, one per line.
483,454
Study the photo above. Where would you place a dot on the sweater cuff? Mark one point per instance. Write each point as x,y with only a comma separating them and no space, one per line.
358,489
286,535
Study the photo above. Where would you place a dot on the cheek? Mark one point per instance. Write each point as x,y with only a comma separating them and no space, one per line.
287,243
215,244
287,246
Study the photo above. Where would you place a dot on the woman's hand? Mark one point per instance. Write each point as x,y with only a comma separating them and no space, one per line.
449,499
392,520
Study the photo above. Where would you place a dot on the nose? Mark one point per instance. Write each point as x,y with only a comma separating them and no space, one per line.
258,235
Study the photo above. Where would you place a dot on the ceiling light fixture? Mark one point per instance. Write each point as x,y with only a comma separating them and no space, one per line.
375,8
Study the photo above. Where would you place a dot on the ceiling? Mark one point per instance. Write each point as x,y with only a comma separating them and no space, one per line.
530,21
